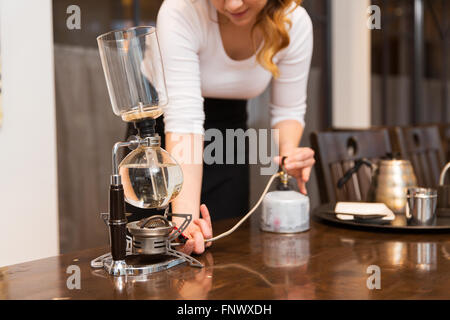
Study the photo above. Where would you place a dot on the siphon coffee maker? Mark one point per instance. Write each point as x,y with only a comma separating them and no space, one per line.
148,177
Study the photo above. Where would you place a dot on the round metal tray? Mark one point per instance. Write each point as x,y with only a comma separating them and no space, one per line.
326,213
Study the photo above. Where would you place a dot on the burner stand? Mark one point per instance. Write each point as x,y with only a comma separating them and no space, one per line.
149,250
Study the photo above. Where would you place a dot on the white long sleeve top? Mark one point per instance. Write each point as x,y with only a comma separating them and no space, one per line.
197,66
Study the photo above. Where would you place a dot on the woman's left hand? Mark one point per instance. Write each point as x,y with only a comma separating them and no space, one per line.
298,163
196,232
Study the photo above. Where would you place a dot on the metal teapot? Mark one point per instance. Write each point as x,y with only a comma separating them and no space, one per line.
389,182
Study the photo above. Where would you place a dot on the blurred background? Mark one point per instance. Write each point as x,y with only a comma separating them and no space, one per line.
57,128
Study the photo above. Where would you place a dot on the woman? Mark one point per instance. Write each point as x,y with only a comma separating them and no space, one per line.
216,55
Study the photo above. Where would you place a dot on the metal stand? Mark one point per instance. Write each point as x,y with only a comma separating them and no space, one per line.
150,249
136,265
146,255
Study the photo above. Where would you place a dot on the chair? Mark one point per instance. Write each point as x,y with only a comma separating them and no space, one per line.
444,130
336,153
391,131
422,145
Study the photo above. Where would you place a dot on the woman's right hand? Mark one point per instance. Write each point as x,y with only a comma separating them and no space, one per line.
197,231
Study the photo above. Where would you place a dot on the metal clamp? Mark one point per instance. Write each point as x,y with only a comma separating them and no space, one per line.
186,222
117,222
284,177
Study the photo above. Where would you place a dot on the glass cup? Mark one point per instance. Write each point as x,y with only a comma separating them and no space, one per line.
134,73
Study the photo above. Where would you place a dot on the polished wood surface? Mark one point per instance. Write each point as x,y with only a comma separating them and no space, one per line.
336,152
327,262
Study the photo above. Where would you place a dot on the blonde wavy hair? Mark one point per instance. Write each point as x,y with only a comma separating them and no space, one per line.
272,21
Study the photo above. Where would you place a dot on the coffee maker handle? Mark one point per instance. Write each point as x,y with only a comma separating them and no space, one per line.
443,173
348,174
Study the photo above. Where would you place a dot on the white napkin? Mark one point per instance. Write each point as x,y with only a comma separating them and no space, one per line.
362,208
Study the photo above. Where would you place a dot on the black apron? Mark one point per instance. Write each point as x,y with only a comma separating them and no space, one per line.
225,187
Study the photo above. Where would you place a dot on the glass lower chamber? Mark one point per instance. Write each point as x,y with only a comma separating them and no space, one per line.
151,178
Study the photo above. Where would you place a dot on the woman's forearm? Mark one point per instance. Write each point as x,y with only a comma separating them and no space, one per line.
187,149
289,135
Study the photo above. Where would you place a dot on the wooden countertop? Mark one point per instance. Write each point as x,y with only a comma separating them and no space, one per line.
327,262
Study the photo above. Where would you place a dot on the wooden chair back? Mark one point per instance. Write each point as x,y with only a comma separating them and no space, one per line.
335,154
422,145
444,130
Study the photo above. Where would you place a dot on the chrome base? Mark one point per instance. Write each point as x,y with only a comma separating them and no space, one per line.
146,255
116,268
134,268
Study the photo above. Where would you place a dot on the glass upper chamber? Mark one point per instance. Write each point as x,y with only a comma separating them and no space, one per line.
151,178
134,73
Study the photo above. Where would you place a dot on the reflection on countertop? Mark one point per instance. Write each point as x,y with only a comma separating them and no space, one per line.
324,263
